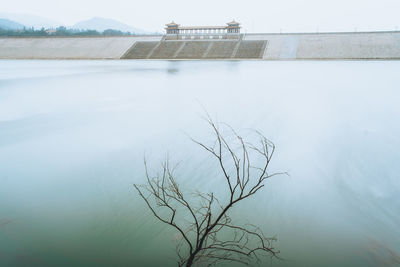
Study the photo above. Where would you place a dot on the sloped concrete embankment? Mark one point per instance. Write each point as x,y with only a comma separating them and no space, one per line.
361,45
67,47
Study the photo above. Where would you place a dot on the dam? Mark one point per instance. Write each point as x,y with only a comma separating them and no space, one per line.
210,43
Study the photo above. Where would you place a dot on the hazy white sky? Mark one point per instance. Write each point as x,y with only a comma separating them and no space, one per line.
255,15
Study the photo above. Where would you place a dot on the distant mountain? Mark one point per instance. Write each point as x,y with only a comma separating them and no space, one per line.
30,20
7,24
101,24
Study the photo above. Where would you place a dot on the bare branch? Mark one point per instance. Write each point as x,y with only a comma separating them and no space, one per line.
206,228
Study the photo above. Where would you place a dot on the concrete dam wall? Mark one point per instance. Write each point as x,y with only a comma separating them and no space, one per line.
312,46
362,45
67,47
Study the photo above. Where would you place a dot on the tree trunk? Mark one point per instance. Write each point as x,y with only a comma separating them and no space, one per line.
190,260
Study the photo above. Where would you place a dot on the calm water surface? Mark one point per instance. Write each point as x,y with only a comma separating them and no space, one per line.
73,135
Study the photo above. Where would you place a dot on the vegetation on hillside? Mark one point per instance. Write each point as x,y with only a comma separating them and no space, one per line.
61,31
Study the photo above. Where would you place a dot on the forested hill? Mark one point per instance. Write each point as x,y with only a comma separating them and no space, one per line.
7,24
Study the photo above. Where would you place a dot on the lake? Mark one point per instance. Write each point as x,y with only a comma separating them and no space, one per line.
73,135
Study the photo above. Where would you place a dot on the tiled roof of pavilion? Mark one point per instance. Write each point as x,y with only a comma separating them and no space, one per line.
172,24
233,22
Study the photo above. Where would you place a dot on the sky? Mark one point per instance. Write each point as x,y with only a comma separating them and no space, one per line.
255,15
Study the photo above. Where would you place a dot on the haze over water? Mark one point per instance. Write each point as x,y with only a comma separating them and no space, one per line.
73,135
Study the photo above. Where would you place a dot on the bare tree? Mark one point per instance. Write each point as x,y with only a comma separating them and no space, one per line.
207,233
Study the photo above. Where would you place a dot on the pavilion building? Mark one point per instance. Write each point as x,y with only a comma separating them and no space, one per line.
176,32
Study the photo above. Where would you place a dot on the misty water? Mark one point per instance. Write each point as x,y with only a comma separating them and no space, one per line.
73,135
